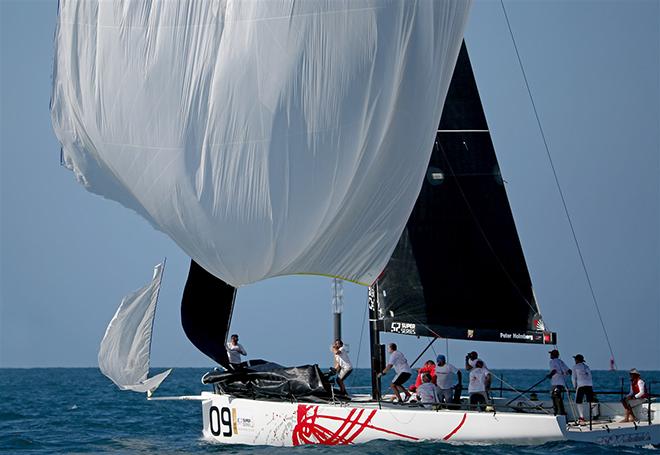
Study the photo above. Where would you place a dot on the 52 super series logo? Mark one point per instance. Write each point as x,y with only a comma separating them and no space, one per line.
405,328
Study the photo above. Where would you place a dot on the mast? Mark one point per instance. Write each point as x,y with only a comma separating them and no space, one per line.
375,348
337,306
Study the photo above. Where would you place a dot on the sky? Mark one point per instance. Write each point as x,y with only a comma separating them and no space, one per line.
593,68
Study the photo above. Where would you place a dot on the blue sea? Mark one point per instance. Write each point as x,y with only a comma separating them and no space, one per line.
78,410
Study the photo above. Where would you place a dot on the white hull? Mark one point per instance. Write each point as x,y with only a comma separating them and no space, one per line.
290,424
256,422
608,430
617,435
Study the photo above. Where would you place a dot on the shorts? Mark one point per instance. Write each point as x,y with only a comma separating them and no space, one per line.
634,402
446,395
586,391
343,374
400,379
478,398
557,390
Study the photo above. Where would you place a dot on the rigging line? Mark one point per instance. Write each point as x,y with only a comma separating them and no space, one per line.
422,353
524,394
481,230
571,403
561,193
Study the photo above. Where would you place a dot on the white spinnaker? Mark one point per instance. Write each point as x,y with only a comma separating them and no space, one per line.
126,345
265,137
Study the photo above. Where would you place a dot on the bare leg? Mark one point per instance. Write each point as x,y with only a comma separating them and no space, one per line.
628,410
342,387
581,410
404,390
395,388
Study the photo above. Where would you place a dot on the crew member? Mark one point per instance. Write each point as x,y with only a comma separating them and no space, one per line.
427,392
402,369
558,373
583,385
234,351
471,360
343,364
479,384
635,397
429,367
448,378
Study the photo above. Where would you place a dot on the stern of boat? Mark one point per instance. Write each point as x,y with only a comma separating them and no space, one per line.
608,430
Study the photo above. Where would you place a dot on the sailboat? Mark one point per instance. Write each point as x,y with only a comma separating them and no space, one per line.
458,272
262,138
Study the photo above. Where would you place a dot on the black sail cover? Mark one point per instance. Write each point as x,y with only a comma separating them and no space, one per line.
458,270
206,308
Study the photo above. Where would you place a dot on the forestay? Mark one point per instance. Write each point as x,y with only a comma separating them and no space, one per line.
126,345
265,138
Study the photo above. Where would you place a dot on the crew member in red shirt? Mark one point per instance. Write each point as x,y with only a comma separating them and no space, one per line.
636,396
429,367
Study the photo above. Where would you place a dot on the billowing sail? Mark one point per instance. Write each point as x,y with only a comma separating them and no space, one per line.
126,345
206,309
459,270
265,137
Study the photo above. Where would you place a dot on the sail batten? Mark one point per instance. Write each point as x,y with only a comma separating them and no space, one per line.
458,270
124,354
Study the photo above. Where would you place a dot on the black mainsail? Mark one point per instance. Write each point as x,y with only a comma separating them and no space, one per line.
458,270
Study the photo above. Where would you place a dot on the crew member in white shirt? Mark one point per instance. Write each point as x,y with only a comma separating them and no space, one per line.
343,364
402,370
558,374
234,351
427,392
447,378
471,360
583,385
479,384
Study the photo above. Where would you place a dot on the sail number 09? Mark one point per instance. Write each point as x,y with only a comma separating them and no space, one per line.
220,421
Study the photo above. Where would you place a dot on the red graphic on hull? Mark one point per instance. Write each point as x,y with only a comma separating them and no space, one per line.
310,428
458,427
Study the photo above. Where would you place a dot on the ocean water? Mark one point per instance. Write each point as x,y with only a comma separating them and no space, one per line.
78,410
